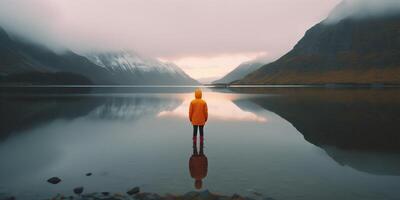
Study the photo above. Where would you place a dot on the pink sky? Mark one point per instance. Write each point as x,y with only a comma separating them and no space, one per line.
207,38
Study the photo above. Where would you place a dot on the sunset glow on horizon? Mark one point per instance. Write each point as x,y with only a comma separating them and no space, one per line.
200,67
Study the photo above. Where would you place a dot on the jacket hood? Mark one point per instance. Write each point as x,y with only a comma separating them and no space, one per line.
198,93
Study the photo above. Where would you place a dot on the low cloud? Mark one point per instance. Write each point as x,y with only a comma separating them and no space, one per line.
363,8
165,28
34,20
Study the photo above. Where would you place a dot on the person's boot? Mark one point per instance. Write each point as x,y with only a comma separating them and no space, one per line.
194,140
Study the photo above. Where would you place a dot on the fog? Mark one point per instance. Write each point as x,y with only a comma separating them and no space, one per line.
363,9
35,20
165,28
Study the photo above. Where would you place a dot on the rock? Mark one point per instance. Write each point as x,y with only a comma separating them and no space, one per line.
133,191
88,174
54,180
78,190
105,193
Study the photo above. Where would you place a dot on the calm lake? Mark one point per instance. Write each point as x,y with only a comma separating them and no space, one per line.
280,143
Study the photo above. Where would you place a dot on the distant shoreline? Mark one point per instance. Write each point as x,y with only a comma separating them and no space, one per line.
214,86
333,85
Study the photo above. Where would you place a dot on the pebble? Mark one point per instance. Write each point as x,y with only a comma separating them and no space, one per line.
78,190
133,191
54,180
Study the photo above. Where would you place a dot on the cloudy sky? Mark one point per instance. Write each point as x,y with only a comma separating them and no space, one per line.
207,38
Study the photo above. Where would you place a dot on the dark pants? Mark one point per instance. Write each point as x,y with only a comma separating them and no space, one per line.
195,130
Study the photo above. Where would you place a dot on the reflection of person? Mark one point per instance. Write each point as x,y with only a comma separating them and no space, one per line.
198,166
198,115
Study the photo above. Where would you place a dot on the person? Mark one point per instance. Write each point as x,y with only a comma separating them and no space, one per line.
198,166
198,115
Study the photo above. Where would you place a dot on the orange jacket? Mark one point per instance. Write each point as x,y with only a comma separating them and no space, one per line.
198,111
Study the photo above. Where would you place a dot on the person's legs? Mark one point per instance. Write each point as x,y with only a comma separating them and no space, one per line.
195,133
201,133
195,130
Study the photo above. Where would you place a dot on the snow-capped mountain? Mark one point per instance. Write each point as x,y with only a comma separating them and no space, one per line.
25,62
138,69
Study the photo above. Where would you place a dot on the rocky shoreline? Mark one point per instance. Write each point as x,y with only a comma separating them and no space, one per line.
135,194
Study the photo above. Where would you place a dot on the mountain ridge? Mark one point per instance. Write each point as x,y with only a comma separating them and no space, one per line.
20,58
240,71
144,70
351,51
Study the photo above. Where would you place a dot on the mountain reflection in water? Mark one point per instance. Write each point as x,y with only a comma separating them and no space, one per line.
356,127
19,113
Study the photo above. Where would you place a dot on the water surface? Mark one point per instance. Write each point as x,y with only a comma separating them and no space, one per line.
284,143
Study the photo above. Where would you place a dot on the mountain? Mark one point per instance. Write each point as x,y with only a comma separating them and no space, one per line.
136,69
208,80
20,58
23,62
356,49
240,71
